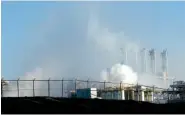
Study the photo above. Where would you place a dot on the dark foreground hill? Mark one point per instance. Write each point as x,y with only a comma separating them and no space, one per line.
48,105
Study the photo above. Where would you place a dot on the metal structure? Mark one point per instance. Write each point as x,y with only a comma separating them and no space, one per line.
153,60
3,84
66,88
136,61
134,92
167,80
164,67
152,55
124,52
164,60
176,92
144,60
108,71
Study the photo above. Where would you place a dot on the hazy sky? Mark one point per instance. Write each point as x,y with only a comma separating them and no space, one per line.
55,34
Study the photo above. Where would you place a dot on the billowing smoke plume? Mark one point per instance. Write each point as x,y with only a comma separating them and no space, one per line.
25,85
120,72
73,43
83,55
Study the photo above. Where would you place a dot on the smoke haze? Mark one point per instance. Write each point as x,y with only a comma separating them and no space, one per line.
89,48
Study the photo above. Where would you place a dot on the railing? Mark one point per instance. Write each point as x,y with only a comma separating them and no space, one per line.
56,88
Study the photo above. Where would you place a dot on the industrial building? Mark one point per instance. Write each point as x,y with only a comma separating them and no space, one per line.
176,92
138,93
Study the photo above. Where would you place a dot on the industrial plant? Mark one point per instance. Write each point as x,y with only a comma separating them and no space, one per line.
129,88
149,64
137,93
140,92
124,96
176,92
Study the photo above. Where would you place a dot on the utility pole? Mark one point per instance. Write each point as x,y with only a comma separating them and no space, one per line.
62,86
18,87
34,87
49,87
104,84
75,85
2,85
88,83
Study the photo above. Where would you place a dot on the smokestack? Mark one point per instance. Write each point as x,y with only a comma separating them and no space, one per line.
124,52
164,59
108,72
144,60
136,61
152,55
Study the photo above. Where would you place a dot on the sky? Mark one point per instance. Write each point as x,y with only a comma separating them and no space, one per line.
83,38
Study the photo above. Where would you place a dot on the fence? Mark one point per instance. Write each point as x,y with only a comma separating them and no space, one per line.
55,88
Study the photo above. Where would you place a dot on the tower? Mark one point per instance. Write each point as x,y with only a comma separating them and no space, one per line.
164,67
136,60
144,60
164,61
152,55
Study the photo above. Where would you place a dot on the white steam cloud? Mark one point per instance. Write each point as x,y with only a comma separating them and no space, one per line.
120,72
78,48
